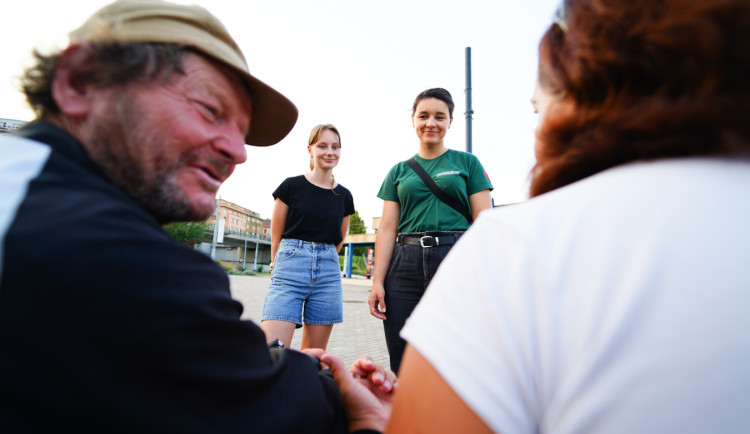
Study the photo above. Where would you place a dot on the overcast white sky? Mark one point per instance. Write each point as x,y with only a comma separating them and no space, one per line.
357,65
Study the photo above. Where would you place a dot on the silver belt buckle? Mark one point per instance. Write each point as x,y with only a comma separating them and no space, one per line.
421,241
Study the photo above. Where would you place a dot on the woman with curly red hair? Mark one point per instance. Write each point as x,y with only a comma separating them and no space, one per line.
617,299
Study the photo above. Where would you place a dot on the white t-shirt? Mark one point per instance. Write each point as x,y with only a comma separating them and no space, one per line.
617,304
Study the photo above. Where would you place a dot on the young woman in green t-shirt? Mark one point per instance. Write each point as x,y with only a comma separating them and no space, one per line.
417,229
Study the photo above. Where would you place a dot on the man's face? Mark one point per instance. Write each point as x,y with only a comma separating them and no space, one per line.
170,144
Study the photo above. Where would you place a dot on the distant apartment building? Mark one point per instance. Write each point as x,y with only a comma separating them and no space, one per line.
238,220
10,125
267,228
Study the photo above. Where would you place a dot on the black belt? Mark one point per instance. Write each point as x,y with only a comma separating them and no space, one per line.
428,240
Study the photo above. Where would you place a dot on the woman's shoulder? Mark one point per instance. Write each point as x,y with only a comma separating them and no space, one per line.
463,159
288,187
400,167
340,189
455,154
294,180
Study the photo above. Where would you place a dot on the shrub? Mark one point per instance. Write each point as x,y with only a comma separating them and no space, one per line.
241,273
225,265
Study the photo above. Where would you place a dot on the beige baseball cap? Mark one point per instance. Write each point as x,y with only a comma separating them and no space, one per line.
159,21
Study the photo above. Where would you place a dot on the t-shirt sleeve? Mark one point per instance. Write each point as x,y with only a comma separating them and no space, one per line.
478,178
388,188
283,191
485,351
349,205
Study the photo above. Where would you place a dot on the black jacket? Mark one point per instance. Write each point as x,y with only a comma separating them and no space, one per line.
108,325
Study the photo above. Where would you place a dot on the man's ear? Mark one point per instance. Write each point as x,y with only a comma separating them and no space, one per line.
71,93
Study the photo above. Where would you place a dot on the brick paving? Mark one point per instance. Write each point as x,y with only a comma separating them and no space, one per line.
359,335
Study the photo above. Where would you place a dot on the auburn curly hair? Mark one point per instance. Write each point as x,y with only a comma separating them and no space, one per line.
642,80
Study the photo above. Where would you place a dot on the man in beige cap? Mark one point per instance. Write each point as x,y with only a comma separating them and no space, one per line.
106,324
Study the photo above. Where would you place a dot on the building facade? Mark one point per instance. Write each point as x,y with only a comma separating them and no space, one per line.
242,243
238,220
267,228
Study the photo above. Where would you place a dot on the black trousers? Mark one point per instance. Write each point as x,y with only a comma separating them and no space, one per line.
409,273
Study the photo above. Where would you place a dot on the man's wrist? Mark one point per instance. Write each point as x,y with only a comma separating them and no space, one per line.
368,425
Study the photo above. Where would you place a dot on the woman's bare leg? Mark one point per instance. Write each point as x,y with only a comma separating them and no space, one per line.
315,335
277,329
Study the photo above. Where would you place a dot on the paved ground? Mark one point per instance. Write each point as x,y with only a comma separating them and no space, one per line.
359,335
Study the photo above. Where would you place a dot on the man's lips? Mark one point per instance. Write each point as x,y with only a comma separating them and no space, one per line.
213,175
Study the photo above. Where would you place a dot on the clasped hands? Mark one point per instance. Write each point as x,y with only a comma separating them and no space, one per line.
366,389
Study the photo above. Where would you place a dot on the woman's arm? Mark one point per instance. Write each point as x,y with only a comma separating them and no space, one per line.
479,202
344,230
385,241
278,223
443,411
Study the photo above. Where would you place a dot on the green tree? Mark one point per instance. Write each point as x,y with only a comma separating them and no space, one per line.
188,233
356,224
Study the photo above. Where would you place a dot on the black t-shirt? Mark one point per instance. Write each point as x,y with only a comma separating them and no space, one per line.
315,214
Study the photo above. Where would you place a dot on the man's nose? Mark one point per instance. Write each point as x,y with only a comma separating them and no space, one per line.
232,147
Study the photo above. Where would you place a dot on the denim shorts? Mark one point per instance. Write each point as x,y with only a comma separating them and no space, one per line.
305,284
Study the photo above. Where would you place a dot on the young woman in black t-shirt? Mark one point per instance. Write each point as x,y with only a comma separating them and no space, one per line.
309,221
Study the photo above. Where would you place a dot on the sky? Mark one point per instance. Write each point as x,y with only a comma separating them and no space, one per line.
357,65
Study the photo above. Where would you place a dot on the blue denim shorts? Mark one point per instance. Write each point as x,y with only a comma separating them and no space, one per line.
305,284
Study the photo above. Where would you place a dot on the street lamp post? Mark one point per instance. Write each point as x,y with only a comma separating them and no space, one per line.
244,256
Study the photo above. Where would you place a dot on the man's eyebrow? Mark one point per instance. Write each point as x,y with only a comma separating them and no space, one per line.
223,99
215,91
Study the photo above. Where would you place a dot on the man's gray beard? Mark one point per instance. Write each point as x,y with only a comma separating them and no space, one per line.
164,200
157,192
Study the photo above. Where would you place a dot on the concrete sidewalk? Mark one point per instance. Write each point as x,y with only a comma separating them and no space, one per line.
360,334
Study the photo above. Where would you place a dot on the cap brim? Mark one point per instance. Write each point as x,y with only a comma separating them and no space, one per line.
273,114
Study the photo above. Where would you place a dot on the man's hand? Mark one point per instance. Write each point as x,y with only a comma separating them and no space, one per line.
367,390
376,301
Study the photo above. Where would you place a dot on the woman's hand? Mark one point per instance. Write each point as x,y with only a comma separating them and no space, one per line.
385,241
376,301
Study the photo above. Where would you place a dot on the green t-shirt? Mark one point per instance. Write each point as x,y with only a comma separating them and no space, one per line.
457,173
